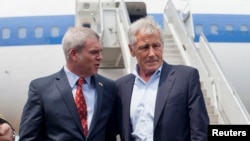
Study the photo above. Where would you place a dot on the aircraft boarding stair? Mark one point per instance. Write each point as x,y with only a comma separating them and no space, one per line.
110,21
223,103
173,56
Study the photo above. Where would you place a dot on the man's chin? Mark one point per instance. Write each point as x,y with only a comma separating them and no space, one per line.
153,66
95,71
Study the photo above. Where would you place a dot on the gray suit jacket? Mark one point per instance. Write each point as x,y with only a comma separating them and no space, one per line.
50,113
180,111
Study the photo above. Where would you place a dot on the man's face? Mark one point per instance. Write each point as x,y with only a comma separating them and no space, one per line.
148,51
89,58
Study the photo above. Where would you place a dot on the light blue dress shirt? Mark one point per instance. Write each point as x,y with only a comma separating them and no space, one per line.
142,106
89,92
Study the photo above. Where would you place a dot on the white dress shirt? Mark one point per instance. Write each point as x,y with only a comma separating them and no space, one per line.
142,106
89,92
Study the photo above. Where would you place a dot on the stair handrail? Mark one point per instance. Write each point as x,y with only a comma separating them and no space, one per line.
224,88
191,51
185,43
123,23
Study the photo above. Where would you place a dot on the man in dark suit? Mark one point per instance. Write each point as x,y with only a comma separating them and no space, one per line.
50,112
158,101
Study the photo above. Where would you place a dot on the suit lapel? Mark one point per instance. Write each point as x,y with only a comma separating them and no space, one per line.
99,94
164,88
126,94
66,92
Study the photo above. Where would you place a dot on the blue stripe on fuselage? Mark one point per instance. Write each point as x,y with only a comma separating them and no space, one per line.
10,28
47,23
223,27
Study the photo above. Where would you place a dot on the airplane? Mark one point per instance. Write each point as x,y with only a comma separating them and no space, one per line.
226,25
31,33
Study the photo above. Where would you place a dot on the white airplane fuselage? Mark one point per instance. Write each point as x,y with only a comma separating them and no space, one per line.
31,33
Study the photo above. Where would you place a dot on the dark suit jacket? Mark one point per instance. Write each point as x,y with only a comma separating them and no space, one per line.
50,113
180,111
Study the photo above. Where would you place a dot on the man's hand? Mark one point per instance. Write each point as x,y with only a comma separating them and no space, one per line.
6,133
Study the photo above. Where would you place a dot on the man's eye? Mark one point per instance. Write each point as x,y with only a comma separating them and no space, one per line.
144,47
156,45
95,52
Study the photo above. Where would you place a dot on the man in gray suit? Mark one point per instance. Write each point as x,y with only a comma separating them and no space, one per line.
158,101
50,112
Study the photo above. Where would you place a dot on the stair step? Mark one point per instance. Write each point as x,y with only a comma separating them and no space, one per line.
173,56
170,45
214,119
204,91
171,51
210,109
167,36
176,62
207,100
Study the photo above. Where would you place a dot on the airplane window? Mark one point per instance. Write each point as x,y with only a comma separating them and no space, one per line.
5,33
229,28
38,32
198,29
244,29
22,32
214,29
55,31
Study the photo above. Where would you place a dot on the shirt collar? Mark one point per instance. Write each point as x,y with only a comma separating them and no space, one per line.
72,78
157,72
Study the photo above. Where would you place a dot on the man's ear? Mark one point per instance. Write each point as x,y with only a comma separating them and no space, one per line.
131,50
73,54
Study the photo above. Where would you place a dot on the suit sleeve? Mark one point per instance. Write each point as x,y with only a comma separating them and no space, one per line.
32,116
111,128
110,134
199,119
